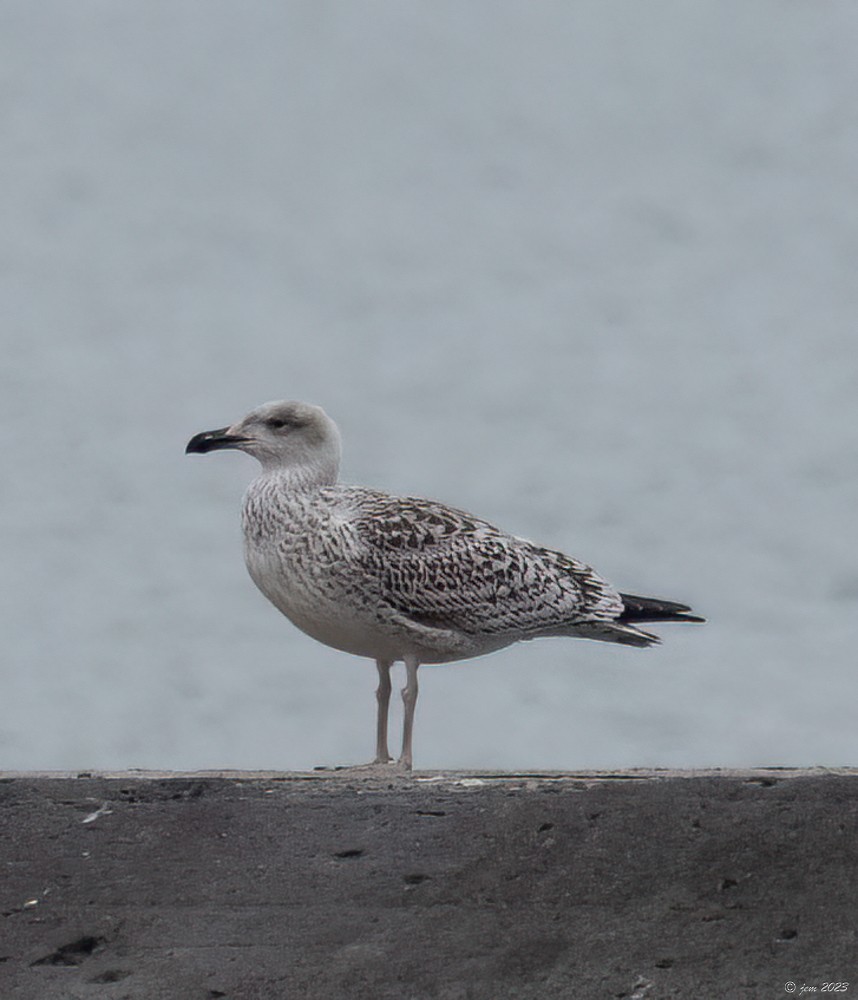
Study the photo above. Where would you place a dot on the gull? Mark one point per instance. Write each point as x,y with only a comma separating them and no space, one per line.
404,578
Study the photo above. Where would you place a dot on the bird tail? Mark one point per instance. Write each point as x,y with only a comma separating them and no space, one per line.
612,631
652,609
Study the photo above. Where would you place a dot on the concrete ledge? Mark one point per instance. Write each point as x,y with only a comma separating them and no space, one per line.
462,886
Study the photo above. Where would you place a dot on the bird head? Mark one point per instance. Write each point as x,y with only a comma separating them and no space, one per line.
280,435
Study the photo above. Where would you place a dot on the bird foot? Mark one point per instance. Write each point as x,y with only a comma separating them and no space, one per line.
379,767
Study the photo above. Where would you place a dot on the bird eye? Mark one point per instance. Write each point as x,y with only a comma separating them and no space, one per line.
277,424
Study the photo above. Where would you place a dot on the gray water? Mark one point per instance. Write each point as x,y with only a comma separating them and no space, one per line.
585,268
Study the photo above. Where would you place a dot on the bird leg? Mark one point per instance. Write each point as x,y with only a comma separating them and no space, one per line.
382,694
409,698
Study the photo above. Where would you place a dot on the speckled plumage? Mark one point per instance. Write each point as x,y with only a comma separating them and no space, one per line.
403,578
409,574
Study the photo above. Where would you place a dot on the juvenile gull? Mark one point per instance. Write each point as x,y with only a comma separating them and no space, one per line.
403,578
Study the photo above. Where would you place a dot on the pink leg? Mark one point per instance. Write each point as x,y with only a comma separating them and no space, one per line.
409,698
382,694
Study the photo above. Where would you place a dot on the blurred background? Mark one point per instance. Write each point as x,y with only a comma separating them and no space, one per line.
586,268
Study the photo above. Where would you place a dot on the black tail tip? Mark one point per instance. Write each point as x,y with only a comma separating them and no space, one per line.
653,609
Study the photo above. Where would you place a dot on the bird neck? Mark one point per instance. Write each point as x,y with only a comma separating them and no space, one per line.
306,475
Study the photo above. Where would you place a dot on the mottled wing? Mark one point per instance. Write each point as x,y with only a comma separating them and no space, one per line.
445,568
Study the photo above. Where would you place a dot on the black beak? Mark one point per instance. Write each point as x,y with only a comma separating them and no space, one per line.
213,440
